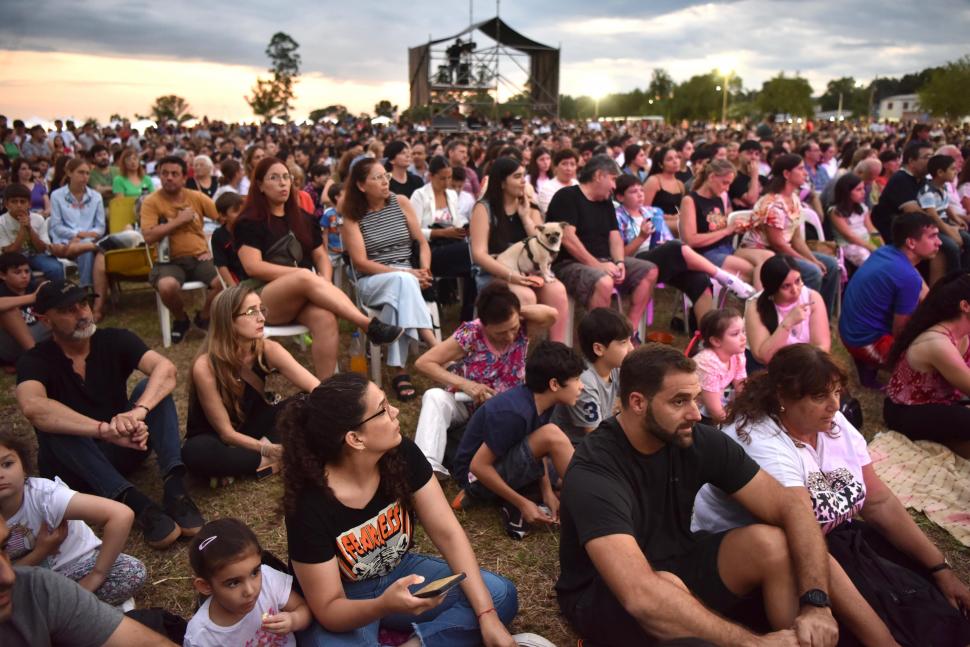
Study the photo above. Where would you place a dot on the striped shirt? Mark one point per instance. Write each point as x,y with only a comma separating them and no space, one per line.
386,236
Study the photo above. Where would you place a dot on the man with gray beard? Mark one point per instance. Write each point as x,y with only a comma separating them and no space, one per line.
73,390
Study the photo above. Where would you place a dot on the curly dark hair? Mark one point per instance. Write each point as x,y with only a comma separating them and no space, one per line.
22,445
794,372
313,428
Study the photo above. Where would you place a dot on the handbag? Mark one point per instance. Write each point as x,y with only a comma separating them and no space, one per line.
285,251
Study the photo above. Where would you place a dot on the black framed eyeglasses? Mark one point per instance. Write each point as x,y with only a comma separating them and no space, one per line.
380,412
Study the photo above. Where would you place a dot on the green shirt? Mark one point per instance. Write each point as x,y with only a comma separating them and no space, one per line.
121,185
99,177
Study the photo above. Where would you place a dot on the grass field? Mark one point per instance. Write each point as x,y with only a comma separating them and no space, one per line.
532,564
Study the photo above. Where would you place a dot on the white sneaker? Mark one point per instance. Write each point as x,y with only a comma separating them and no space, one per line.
531,640
741,289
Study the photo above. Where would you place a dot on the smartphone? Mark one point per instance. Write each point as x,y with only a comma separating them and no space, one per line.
439,587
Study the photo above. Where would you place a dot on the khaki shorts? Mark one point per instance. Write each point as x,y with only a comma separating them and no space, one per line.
580,280
182,269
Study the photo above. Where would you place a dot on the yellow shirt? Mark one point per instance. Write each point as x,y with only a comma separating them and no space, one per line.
188,239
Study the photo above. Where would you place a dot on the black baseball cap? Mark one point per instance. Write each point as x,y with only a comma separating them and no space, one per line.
60,294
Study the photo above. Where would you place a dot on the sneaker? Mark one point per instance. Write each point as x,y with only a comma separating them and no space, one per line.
379,332
186,515
513,522
159,530
202,324
740,289
179,328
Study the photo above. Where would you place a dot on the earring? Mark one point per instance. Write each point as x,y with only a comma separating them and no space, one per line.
783,408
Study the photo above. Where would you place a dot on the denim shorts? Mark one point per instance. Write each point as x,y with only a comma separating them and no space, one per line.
517,467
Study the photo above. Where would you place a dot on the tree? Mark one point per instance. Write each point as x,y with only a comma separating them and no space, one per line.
169,107
697,98
336,111
945,94
786,95
274,97
855,99
385,108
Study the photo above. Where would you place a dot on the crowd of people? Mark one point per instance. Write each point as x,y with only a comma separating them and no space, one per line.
718,495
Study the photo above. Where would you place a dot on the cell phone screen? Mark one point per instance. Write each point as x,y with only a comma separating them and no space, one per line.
439,587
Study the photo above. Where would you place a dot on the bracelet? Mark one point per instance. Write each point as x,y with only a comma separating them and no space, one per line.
147,410
942,566
488,610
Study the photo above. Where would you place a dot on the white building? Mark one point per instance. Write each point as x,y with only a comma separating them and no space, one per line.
900,107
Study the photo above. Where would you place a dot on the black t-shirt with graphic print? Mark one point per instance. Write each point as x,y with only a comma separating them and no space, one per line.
367,542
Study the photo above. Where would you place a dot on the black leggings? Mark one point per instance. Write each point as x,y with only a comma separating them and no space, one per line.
206,455
940,423
673,270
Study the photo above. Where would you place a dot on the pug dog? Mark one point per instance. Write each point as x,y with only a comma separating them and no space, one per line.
535,254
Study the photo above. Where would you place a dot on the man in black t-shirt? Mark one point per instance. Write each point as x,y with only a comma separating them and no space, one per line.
746,187
73,390
630,565
591,263
900,194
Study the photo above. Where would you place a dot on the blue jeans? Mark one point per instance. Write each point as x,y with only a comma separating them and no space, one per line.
829,284
50,266
98,467
956,257
451,624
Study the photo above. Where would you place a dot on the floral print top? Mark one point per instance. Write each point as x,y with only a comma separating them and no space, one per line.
909,386
482,364
772,210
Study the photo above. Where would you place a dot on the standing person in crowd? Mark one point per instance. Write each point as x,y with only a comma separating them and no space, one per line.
402,181
635,162
73,390
102,174
348,471
19,329
630,565
850,220
592,263
605,338
883,294
202,179
26,232
482,358
230,179
131,181
705,228
788,420
786,312
539,169
280,247
746,187
22,173
776,227
565,162
663,189
177,215
930,360
721,367
230,430
76,222
503,217
49,527
446,231
379,232
503,453
40,607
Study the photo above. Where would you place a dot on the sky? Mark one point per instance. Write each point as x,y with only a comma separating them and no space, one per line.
63,58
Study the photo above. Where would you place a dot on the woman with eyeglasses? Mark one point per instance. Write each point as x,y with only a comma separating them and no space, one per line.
231,421
352,485
280,246
380,234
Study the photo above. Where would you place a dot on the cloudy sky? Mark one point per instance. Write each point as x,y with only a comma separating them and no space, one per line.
96,57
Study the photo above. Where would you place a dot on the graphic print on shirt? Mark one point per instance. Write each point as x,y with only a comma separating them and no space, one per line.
836,496
376,546
266,639
21,541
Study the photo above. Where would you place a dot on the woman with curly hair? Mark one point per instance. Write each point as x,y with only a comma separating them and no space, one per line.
352,485
230,428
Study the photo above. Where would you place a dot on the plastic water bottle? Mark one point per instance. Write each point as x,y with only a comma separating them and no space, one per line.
358,362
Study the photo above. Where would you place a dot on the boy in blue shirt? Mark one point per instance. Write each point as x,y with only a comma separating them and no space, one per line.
502,452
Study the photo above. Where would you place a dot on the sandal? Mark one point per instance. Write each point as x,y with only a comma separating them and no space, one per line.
404,387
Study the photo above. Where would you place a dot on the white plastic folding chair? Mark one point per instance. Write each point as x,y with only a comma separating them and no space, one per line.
810,217
164,315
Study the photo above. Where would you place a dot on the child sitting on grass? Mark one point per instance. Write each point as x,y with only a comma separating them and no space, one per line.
721,364
248,603
604,338
501,454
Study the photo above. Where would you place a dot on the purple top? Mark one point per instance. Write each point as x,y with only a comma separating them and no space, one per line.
37,196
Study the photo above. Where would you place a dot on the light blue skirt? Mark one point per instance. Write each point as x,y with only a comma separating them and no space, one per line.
396,296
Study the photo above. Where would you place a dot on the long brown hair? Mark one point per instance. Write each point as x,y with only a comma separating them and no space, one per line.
795,372
257,206
314,429
354,204
222,348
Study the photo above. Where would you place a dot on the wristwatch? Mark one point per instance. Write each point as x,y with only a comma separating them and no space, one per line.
815,598
942,566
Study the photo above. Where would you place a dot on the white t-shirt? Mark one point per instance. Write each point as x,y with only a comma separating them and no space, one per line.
832,473
548,190
202,632
45,502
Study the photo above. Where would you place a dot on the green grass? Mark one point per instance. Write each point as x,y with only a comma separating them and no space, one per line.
532,564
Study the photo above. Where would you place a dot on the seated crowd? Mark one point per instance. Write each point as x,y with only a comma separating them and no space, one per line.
720,495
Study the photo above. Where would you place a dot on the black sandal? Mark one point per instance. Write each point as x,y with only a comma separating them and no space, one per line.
404,387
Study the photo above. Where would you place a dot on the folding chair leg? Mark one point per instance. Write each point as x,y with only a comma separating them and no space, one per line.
435,319
375,364
164,321
571,320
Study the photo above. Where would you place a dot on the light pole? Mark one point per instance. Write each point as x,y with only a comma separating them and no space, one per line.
724,97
